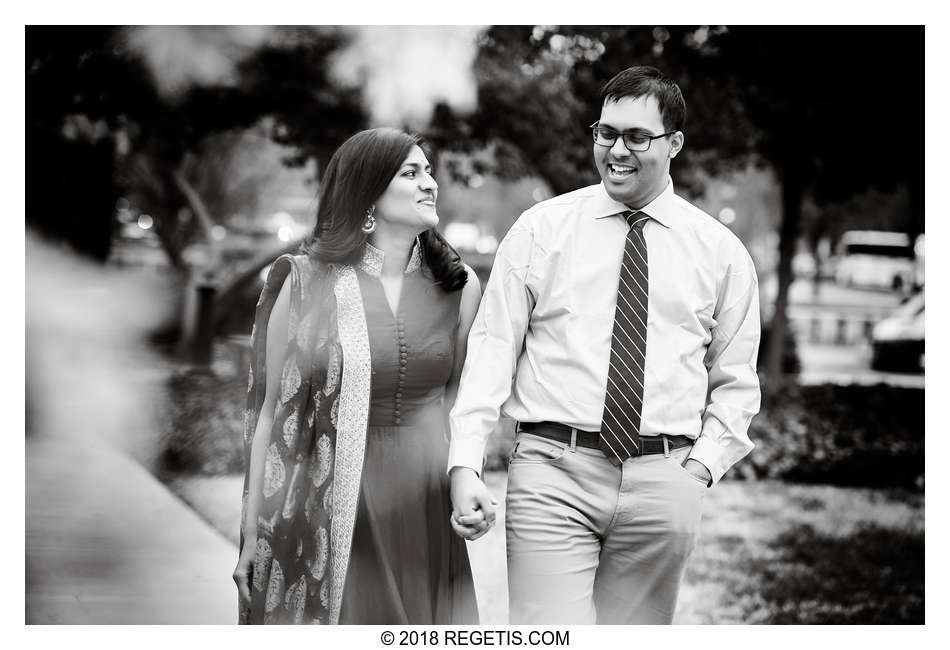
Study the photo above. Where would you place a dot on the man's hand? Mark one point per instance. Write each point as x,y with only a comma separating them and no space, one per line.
698,470
473,507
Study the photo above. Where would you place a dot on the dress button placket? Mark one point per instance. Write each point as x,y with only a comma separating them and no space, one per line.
401,337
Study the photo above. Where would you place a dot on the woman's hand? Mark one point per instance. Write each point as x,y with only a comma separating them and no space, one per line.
473,507
242,572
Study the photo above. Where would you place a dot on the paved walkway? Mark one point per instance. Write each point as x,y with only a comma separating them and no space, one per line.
106,543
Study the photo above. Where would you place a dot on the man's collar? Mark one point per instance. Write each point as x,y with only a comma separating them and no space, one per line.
660,208
373,258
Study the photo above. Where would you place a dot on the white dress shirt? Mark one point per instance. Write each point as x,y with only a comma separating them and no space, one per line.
539,348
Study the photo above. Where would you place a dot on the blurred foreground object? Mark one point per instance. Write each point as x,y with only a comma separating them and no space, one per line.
87,369
106,543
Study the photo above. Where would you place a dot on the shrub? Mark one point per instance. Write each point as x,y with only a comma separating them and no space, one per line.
861,436
205,428
871,436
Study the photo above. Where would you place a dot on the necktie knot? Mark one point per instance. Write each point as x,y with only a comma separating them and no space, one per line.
635,218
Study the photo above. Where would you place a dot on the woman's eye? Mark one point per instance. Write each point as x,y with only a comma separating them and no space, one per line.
410,173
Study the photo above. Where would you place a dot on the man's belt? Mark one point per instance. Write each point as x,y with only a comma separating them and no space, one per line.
562,433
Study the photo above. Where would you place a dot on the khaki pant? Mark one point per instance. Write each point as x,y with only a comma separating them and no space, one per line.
590,542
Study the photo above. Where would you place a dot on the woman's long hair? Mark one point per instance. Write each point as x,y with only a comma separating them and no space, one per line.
357,175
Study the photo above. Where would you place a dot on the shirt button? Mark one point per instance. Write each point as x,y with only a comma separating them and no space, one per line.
398,421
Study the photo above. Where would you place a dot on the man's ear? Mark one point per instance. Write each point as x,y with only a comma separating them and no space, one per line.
677,140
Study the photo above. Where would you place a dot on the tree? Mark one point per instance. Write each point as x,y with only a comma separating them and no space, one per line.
99,127
802,101
839,110
70,152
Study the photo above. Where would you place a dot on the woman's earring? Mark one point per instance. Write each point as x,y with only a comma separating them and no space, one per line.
369,225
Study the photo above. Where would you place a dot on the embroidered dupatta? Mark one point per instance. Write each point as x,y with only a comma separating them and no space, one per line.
315,447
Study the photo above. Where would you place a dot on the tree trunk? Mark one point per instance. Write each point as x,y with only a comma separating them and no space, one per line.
197,206
166,239
199,318
792,193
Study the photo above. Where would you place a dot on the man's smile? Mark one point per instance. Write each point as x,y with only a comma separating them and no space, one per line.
620,171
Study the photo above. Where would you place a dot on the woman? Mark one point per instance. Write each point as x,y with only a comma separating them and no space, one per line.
357,348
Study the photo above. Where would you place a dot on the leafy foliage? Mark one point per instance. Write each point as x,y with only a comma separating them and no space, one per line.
804,101
870,436
98,126
538,89
205,429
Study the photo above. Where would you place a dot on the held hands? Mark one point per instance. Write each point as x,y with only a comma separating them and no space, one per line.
697,469
473,507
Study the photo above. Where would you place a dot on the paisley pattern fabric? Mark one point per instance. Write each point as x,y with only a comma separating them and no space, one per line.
315,448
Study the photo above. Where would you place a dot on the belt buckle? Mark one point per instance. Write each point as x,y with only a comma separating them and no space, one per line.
666,447
637,449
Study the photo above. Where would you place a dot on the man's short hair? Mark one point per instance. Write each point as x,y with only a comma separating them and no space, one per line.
644,80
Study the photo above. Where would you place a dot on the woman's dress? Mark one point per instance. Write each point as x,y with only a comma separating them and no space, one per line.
407,565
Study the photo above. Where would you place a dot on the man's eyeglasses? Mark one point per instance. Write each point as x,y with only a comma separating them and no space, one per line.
633,140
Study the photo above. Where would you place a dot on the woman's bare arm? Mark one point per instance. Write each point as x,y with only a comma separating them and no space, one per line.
276,355
471,295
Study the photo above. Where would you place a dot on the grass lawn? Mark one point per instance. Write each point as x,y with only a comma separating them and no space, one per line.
770,552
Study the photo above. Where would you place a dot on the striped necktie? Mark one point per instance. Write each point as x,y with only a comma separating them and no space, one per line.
623,403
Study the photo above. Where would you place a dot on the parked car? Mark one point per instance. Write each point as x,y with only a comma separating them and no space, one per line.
897,342
876,259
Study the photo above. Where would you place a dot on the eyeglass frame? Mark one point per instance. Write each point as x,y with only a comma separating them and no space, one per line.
623,135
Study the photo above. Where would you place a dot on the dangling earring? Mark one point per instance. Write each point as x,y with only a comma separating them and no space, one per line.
369,225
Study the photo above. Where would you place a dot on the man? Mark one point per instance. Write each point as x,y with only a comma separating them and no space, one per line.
620,328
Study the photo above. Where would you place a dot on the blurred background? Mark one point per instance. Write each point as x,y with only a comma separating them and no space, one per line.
167,167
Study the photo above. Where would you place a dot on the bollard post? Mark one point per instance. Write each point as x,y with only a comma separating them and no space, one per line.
201,351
